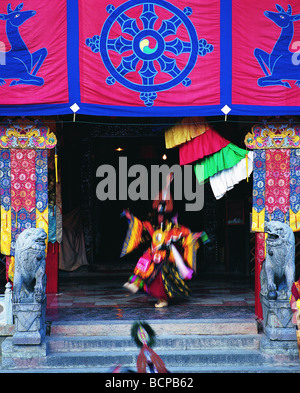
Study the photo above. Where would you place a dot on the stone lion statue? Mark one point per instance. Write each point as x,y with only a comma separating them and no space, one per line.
278,270
30,264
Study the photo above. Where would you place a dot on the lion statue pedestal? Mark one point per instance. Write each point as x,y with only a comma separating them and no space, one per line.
30,325
28,344
277,319
279,341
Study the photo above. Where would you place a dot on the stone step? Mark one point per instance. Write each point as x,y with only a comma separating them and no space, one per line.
44,357
190,358
166,327
235,368
176,342
239,354
188,346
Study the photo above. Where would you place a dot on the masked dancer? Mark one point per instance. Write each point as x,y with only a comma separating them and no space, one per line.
171,257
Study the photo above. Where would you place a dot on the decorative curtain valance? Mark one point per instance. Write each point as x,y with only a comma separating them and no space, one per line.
24,134
274,136
213,157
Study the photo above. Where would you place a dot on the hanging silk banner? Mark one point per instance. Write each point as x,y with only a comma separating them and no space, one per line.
24,149
5,200
136,56
276,187
258,194
265,64
201,146
277,192
214,158
294,189
23,198
149,58
51,197
42,220
188,129
33,56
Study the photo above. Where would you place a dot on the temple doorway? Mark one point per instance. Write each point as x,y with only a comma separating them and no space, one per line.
87,147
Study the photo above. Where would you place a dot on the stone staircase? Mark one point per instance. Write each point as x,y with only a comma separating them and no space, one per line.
185,346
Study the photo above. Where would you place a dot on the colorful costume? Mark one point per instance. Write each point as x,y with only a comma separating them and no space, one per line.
169,260
295,300
296,290
295,306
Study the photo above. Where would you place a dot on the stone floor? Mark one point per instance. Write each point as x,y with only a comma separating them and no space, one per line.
102,297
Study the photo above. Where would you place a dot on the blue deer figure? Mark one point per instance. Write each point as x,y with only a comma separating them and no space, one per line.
20,65
278,65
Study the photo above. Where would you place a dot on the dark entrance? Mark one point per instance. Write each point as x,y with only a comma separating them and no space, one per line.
86,147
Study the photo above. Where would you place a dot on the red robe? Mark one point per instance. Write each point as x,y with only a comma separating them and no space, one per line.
157,272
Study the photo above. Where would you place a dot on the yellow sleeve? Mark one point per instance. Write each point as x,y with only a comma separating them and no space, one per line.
133,236
190,246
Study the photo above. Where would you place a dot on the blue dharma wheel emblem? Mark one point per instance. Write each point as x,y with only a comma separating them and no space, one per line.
146,51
